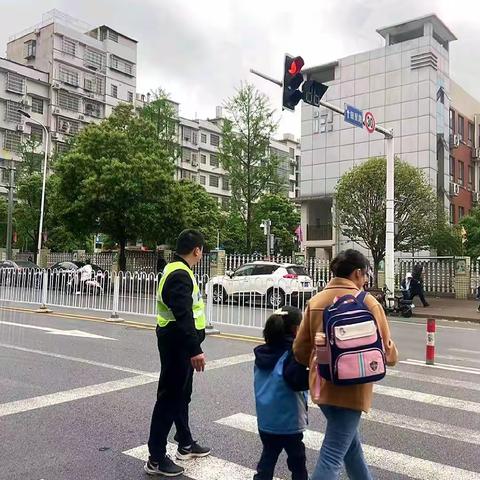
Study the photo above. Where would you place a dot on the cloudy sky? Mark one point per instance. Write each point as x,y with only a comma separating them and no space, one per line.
200,50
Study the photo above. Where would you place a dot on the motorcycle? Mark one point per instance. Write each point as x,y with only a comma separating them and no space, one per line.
394,304
90,286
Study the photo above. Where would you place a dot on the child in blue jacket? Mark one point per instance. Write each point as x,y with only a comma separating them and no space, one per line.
280,396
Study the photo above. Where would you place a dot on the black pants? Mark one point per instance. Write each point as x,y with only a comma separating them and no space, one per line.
173,396
273,446
418,292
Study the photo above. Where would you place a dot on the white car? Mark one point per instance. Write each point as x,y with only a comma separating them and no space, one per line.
275,283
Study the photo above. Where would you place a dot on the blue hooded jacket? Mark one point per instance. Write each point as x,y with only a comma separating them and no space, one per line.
280,390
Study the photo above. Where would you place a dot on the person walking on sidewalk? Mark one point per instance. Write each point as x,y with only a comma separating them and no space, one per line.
342,405
416,285
280,396
180,332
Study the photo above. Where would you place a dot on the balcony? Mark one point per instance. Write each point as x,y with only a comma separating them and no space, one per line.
320,232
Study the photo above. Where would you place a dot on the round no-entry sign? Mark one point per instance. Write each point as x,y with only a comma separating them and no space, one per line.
369,122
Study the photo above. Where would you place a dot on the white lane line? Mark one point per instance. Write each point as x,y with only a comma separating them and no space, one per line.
459,359
442,366
427,427
387,460
208,468
400,322
421,377
20,406
463,350
435,400
229,361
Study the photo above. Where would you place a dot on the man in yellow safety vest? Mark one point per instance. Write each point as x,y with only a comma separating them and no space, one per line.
180,332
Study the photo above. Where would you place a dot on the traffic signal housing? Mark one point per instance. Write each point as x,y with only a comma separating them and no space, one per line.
292,80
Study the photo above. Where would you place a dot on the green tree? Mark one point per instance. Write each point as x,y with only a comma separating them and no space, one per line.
201,211
245,154
118,180
471,224
3,221
285,219
361,207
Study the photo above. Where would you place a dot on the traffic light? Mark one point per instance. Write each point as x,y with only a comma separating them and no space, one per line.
292,79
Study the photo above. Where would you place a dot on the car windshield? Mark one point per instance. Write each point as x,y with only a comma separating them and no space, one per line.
26,264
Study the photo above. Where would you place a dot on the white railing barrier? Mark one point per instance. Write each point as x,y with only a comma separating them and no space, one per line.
43,306
116,296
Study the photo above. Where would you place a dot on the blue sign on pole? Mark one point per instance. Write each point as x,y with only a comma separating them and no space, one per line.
353,115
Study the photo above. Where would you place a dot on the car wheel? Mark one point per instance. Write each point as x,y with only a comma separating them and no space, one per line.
275,298
219,295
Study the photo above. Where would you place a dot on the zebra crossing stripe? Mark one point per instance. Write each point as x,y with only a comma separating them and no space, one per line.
387,460
207,468
442,366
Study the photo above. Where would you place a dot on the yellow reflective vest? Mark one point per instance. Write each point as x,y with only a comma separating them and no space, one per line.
164,314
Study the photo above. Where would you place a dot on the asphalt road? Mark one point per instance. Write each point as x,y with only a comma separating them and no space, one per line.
76,398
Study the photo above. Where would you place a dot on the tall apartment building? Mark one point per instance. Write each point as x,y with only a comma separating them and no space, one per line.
464,152
26,88
90,70
407,86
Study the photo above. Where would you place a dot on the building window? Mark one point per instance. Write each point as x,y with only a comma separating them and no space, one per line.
292,186
214,140
461,173
62,148
30,49
114,91
69,46
130,97
93,109
203,159
226,183
292,152
194,159
214,181
93,59
461,127
471,177
452,121
68,76
452,169
203,137
461,213
187,155
452,213
121,65
113,36
214,161
37,105
67,126
36,133
203,180
15,83
470,132
225,203
12,141
68,101
12,114
316,125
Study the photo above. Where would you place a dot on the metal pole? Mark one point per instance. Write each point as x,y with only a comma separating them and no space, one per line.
10,212
390,216
268,224
42,203
267,77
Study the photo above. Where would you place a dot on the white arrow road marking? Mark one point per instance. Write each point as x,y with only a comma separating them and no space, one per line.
56,331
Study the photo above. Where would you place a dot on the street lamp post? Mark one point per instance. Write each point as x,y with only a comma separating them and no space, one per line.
42,203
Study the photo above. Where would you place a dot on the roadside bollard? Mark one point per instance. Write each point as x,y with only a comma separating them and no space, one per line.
430,351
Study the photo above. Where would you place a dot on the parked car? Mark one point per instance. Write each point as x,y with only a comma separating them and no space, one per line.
275,283
18,272
62,275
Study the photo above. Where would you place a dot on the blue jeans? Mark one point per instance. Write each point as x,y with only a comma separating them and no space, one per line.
341,445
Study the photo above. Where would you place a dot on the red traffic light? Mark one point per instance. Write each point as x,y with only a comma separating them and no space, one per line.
296,65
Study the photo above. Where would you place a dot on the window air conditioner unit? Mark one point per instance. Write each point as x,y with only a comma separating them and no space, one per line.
26,102
54,136
476,152
476,197
56,85
20,127
456,140
454,189
64,126
194,163
81,117
56,110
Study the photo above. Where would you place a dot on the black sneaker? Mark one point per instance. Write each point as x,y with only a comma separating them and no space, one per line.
166,468
192,451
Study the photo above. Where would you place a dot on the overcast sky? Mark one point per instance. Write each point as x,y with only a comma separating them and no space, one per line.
200,50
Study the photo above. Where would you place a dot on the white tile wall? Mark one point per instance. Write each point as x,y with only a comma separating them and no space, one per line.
362,69
306,143
393,79
347,89
424,107
410,126
393,112
362,86
409,109
361,150
307,128
377,148
307,158
332,171
333,138
318,156
409,144
362,101
319,172
346,136
306,187
410,92
377,98
362,57
332,154
393,95
377,82
347,73
345,167
411,158
393,62
330,184
424,141
307,172
346,152
377,66
424,89
319,141
379,52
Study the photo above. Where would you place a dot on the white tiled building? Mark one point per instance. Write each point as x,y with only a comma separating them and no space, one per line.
28,89
406,86
91,70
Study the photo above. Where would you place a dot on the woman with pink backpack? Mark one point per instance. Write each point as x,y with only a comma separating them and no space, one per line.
345,340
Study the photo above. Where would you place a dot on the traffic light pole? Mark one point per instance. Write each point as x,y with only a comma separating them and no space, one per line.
390,191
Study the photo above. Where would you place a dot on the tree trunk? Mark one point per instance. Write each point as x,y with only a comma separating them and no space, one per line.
376,265
122,258
249,227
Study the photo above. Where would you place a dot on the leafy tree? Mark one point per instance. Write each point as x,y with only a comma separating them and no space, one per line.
245,154
471,224
201,211
285,219
361,207
3,221
117,179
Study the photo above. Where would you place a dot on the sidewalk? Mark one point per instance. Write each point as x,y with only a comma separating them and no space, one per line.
448,309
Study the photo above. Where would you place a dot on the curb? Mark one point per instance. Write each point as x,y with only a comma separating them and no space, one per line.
451,318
